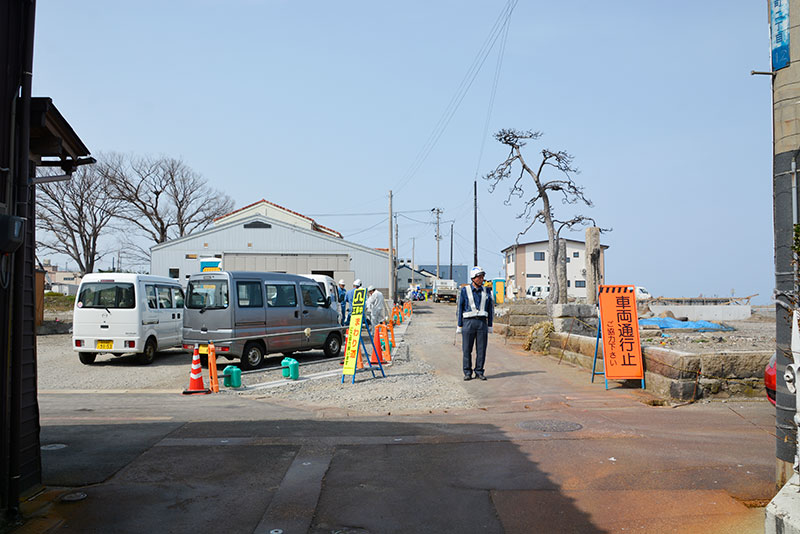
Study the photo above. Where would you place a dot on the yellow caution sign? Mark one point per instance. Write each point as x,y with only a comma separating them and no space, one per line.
354,332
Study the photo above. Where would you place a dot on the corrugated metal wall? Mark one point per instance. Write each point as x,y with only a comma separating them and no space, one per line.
287,263
312,251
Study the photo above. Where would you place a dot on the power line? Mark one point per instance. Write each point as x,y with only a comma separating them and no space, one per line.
459,95
495,82
360,213
368,229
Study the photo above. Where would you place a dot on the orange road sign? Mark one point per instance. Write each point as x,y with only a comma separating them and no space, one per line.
619,328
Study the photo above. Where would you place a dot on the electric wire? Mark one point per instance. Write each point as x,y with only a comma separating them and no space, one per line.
493,94
370,228
459,95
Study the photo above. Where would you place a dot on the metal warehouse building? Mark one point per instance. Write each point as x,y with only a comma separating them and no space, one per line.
256,242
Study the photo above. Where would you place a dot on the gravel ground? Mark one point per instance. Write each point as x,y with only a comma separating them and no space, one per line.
410,386
754,334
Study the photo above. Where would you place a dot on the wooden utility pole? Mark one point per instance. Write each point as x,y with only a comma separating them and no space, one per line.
438,212
476,222
391,253
451,253
397,262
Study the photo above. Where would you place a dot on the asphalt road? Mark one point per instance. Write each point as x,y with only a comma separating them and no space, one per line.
544,450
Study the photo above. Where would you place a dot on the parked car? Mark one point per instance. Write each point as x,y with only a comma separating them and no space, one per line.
537,292
642,293
770,379
119,313
251,314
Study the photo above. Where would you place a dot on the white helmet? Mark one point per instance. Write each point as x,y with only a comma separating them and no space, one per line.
341,282
357,282
370,288
475,272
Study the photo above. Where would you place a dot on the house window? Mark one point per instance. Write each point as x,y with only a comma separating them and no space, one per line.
567,283
576,255
533,275
174,273
567,258
538,256
580,283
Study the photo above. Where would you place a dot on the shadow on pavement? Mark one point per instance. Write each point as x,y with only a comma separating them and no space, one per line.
380,476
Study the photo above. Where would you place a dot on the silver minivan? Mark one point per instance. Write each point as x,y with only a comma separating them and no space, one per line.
251,314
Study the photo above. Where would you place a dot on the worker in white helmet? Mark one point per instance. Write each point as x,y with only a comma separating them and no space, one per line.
342,295
475,312
348,299
376,312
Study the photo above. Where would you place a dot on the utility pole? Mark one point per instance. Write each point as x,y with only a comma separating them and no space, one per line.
397,262
438,212
391,253
476,223
413,265
451,252
785,75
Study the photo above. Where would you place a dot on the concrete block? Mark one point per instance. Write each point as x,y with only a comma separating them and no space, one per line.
527,320
527,309
745,364
783,512
683,390
574,310
574,326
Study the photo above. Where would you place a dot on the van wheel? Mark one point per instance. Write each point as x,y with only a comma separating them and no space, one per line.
332,345
252,356
149,353
87,358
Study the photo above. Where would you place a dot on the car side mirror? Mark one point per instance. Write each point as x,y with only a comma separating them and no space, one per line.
326,303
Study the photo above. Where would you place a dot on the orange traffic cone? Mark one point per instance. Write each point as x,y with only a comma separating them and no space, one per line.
196,385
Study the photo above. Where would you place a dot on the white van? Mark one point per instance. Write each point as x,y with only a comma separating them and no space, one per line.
329,288
119,313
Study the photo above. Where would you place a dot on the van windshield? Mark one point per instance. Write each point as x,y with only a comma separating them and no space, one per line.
107,295
207,295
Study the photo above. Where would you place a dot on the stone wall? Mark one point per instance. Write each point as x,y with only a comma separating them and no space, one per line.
575,318
677,375
516,319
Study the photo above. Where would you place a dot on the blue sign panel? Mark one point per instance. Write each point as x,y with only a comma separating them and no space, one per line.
779,30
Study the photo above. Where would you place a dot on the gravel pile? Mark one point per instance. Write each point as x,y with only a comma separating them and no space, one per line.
410,386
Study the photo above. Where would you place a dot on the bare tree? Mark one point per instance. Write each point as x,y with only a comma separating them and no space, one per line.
163,198
73,214
538,207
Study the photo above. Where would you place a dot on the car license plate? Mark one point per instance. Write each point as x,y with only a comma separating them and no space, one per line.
203,349
105,345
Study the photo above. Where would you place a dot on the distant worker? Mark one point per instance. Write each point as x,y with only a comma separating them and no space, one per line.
376,312
348,298
475,312
342,295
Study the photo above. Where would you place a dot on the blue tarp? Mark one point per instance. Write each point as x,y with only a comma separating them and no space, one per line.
699,326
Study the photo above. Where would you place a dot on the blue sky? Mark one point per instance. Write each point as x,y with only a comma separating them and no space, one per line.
324,107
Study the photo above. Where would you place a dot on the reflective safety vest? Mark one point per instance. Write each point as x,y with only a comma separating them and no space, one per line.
474,312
